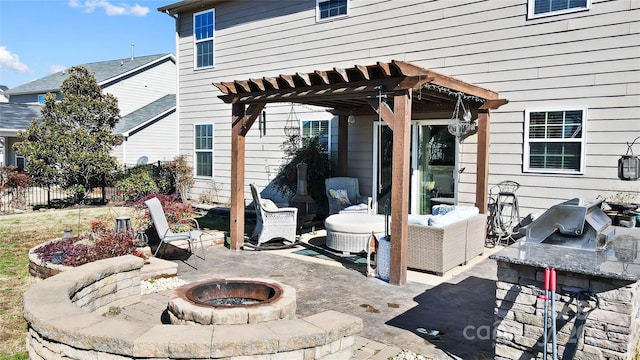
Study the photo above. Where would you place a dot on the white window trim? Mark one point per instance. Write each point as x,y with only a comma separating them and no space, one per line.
195,151
195,41
532,15
583,141
328,134
318,19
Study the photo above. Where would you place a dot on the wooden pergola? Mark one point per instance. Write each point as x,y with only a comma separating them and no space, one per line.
407,87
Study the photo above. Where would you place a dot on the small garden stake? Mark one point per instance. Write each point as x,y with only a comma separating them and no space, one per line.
545,298
552,288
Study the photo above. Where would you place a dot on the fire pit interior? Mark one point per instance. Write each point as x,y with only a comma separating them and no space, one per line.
231,301
233,293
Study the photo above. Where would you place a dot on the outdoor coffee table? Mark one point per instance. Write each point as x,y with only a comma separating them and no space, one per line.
349,233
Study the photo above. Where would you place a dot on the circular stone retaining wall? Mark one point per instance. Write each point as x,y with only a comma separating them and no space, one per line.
64,318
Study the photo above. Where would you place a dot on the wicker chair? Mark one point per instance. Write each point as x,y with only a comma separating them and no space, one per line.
440,249
273,222
353,192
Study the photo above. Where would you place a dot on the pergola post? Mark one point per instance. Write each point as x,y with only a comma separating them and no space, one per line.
237,176
343,145
400,187
241,122
482,174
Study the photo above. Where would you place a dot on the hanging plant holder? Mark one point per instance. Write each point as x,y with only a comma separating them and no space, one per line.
460,124
292,126
629,164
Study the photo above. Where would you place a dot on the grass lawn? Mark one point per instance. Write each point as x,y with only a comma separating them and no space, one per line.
21,232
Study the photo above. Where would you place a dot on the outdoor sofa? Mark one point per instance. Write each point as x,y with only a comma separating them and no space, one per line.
438,243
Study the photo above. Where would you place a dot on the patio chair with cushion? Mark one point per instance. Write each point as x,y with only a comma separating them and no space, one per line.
343,194
273,222
165,233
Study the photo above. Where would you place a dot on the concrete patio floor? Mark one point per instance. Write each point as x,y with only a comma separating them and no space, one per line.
459,305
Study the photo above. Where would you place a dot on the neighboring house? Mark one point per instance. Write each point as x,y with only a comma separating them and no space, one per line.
568,68
13,118
3,98
145,87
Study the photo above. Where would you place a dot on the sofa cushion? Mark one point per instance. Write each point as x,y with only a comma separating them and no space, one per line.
418,219
354,223
458,214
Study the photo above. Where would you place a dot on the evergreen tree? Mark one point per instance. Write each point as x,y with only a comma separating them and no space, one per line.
72,145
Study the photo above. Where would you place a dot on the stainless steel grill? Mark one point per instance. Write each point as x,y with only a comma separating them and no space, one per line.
575,223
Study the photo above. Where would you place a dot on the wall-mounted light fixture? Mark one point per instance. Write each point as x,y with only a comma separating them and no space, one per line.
262,124
351,119
629,164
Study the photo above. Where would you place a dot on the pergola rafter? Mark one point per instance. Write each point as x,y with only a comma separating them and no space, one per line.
360,87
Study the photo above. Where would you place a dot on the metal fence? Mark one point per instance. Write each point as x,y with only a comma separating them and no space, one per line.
35,197
53,197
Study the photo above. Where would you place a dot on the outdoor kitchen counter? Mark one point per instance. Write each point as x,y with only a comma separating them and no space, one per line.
618,261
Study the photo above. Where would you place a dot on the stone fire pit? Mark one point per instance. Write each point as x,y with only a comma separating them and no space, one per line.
232,302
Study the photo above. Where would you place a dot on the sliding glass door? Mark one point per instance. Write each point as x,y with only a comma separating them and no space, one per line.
433,159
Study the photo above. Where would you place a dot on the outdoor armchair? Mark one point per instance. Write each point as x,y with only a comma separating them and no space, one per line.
165,233
271,221
343,194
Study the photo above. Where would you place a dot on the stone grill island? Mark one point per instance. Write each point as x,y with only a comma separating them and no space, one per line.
597,297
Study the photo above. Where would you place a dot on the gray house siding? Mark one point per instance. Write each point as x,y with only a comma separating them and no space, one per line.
155,142
144,87
583,59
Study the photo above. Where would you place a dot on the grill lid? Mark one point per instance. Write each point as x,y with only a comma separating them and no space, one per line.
574,223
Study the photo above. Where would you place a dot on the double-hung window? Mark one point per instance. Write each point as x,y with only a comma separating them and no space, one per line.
204,38
539,8
203,150
555,140
329,9
317,128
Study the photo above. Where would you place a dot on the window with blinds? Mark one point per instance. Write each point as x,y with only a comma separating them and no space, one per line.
555,141
203,150
539,8
329,9
319,128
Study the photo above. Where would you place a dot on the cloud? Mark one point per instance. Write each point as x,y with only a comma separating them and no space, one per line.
11,61
56,68
109,8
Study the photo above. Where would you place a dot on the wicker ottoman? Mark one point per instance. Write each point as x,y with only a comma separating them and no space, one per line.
350,233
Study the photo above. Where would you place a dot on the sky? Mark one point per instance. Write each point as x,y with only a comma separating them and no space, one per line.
41,37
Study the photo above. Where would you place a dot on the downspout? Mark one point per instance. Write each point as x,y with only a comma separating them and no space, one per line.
176,18
125,137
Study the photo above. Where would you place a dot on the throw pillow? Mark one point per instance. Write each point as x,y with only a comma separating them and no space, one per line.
442,209
340,195
269,205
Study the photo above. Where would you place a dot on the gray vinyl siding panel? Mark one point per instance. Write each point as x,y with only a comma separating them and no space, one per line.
589,58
